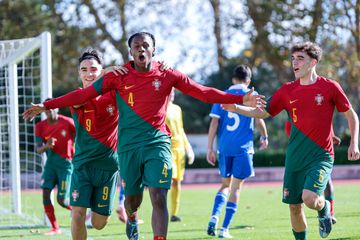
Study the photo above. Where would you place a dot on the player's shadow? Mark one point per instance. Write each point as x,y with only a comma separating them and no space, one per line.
243,227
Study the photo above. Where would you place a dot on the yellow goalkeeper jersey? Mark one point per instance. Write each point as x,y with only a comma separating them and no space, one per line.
175,123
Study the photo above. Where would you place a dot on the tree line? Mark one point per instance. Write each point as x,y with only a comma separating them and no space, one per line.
211,36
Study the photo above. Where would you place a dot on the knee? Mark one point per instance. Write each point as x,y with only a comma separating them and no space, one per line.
132,204
175,183
98,225
295,209
78,216
46,196
310,200
159,199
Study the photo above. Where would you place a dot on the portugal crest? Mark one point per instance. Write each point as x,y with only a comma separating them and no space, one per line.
110,109
319,99
156,83
75,195
63,133
286,193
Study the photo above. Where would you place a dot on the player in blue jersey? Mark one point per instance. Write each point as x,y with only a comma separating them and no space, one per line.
235,152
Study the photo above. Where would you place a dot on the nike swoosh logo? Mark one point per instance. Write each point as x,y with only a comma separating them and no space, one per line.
163,181
101,205
128,87
86,111
291,102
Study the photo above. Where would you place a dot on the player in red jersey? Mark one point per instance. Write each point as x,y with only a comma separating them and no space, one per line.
55,136
310,101
144,140
329,189
94,180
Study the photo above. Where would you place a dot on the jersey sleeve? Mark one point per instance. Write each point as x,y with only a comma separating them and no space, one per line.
108,82
203,93
342,103
76,97
275,104
215,111
80,96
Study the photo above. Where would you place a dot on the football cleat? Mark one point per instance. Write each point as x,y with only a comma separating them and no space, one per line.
325,223
224,233
175,219
53,231
132,230
211,230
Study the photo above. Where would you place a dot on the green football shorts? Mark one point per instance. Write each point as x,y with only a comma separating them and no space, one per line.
94,188
313,178
149,165
55,175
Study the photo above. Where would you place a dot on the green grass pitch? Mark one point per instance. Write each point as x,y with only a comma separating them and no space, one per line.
260,216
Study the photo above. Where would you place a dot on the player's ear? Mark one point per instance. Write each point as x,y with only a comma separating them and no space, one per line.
314,61
153,54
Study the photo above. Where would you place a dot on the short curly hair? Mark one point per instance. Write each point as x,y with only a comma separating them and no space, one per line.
310,48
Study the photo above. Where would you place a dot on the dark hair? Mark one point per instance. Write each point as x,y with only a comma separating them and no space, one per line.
242,73
310,48
91,53
141,34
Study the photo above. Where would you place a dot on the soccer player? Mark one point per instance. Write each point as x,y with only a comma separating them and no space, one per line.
144,142
235,134
55,136
180,147
329,189
309,101
95,175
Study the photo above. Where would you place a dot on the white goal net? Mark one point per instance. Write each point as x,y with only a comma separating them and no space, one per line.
25,77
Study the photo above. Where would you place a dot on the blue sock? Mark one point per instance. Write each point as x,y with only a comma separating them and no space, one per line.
229,214
219,202
121,196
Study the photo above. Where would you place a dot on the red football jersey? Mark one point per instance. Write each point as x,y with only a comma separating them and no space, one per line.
142,100
64,133
311,108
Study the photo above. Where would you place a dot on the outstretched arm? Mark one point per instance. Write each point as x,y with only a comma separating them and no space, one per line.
213,95
76,97
353,121
246,111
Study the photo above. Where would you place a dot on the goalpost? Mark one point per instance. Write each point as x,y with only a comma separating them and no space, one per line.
25,77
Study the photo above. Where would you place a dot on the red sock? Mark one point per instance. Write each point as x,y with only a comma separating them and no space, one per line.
332,207
50,213
159,238
132,217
